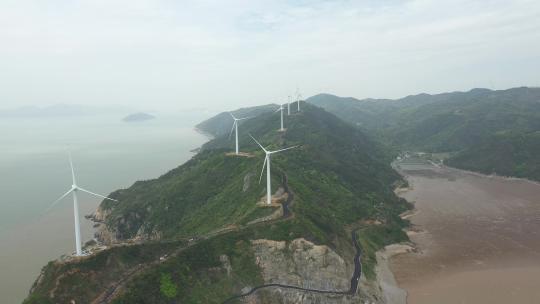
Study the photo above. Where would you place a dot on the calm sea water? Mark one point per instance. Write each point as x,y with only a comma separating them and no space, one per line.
34,171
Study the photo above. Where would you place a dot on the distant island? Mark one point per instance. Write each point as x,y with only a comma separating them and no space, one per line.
138,117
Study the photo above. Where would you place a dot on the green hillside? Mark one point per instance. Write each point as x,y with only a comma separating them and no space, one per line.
481,127
208,191
340,179
507,154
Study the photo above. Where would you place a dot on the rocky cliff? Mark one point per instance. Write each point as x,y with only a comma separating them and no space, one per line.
303,264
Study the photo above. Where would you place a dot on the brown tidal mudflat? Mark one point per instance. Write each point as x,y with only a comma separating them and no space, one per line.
478,239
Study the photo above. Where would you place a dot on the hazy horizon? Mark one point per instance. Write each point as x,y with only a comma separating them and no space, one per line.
119,108
164,55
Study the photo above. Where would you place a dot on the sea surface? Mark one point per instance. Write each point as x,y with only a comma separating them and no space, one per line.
108,154
477,238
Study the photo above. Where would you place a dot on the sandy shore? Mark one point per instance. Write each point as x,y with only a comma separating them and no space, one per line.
479,239
390,290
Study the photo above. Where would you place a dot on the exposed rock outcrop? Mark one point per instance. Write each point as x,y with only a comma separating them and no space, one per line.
130,222
304,264
301,263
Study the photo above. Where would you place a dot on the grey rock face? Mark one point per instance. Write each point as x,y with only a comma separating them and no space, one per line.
304,264
301,263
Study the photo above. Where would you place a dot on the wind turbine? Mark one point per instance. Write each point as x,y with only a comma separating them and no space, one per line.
281,109
235,126
74,190
267,164
289,105
298,97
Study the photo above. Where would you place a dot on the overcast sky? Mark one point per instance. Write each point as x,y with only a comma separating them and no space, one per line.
224,54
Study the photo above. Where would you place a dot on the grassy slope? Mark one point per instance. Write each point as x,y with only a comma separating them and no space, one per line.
202,195
338,176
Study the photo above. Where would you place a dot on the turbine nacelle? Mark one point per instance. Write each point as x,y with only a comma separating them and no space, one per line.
237,119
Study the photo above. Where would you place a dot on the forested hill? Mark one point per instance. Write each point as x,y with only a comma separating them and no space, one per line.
203,194
196,226
484,130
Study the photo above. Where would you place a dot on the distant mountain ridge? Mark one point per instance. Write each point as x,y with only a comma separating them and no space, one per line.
462,123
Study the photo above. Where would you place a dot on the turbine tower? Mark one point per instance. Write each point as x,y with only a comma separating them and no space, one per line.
298,97
267,164
281,109
235,126
289,105
74,190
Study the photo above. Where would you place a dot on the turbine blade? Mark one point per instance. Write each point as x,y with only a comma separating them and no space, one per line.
244,118
262,170
98,195
258,143
279,109
230,113
58,200
230,133
72,169
272,152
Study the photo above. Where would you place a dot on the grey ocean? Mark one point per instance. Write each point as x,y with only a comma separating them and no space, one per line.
108,154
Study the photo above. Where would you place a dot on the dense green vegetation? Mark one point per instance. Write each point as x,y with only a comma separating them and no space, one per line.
84,280
196,275
340,179
507,154
486,131
204,194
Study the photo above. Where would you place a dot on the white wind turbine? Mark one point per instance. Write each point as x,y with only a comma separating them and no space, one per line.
74,190
298,97
289,105
267,164
235,126
281,109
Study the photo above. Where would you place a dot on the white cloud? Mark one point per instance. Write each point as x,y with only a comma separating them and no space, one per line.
221,54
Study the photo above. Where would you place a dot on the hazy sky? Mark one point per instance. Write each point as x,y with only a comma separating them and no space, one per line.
228,53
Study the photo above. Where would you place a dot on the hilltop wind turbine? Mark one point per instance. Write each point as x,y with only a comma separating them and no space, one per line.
289,105
235,126
281,109
267,164
298,97
74,190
